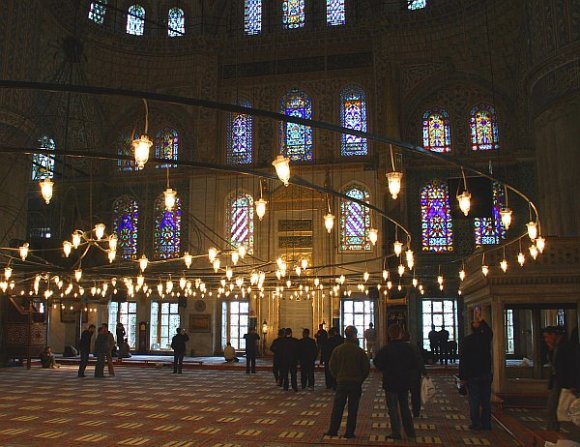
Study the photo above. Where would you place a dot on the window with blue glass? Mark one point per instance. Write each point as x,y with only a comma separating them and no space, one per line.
176,22
490,230
97,11
335,12
167,233
293,13
483,125
353,114
167,147
416,4
436,131
135,20
297,138
125,149
436,223
355,220
253,17
240,221
43,164
125,226
240,138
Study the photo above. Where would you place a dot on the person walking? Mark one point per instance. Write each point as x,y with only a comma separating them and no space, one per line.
85,349
475,372
397,361
111,347
277,347
101,349
416,377
434,344
350,366
334,340
307,353
178,345
321,340
444,344
251,350
370,335
289,360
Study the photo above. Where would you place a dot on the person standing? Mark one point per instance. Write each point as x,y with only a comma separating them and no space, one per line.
85,349
334,340
397,361
178,345
416,378
321,340
276,347
444,344
350,366
370,335
111,347
434,344
120,333
101,349
289,360
475,372
251,350
307,352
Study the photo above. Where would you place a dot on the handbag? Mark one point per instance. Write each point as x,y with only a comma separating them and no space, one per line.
564,403
427,389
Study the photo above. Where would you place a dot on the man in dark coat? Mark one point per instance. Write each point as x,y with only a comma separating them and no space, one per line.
178,345
350,366
101,349
289,360
444,344
307,352
476,374
321,340
334,340
85,349
251,350
397,361
121,333
276,349
434,344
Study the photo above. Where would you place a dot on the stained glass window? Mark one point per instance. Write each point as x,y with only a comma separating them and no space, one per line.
125,226
436,131
167,233
167,147
253,17
175,22
240,138
297,139
353,114
42,164
240,221
293,15
124,148
97,11
416,4
355,221
436,224
484,132
335,14
136,20
490,230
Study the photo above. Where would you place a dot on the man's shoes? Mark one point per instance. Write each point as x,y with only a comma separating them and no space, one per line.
349,435
81,375
333,434
395,437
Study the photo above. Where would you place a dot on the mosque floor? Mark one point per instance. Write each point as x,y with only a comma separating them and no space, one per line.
209,407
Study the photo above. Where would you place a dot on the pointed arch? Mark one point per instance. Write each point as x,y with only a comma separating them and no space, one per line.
240,137
355,220
293,13
167,233
484,130
240,220
296,138
353,115
436,223
135,20
126,226
436,131
167,147
42,164
97,11
335,12
490,230
175,22
252,17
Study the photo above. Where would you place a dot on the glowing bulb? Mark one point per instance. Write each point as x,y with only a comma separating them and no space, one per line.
169,286
385,275
216,264
399,287
532,230
261,208
188,259
533,251
415,282
78,274
229,273
111,254
141,147
506,217
66,248
441,287
484,270
373,235
7,273
143,262
541,244
242,250
113,240
170,196
298,270
99,231
282,166
316,282
212,254
140,280
304,263
239,281
46,189
235,257
464,200
401,269
76,238
254,278
394,181
461,274
366,276
521,259
389,285
23,251
329,222
341,279
440,279
503,265
410,259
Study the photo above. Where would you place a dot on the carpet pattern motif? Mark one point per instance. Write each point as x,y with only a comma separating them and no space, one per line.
152,407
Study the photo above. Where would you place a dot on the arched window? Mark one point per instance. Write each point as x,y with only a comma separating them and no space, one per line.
124,148
240,221
335,14
293,15
353,115
490,230
296,138
125,226
167,233
175,22
42,164
416,4
97,11
136,20
436,131
355,220
253,17
436,224
167,147
240,138
483,124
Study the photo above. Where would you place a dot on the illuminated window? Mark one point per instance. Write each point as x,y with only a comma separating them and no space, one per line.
484,132
240,138
175,22
293,13
353,114
510,345
136,20
125,226
335,14
355,221
167,232
358,313
416,4
125,149
164,323
97,11
253,17
167,147
125,313
436,131
42,164
439,313
296,138
436,224
490,230
235,319
240,221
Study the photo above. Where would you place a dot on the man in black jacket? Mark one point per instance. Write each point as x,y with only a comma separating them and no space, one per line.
397,361
334,340
289,360
308,352
476,374
251,350
85,349
276,349
178,345
321,340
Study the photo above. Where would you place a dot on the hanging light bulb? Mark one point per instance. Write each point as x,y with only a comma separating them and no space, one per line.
399,287
394,182
316,282
169,286
235,257
440,279
366,276
254,278
229,273
397,248
341,279
78,274
99,231
46,186
521,259
66,248
464,200
216,264
485,270
373,235
506,217
282,166
534,252
532,230
140,280
242,250
141,147
410,259
304,263
23,251
261,207
415,282
441,287
170,196
389,285
462,274
76,238
504,265
7,273
143,262
385,275
113,240
401,269
329,222
212,254
111,254
188,259
541,244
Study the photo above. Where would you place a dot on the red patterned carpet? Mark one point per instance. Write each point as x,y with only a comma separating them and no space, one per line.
202,407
